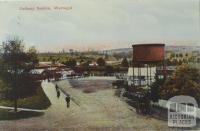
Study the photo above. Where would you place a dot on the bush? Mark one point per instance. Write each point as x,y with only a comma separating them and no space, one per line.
184,81
156,88
101,62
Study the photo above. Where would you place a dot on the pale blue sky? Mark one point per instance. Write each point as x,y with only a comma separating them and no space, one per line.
101,24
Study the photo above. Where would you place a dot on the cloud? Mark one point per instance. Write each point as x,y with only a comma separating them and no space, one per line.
101,23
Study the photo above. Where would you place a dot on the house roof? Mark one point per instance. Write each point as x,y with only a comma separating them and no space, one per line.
39,65
36,71
58,65
48,64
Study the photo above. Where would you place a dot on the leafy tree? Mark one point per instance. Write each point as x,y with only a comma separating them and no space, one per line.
52,59
106,56
86,64
70,63
184,81
124,63
156,87
198,60
14,62
180,62
180,55
58,59
185,60
109,70
168,62
44,59
120,55
32,58
1,67
101,61
172,55
32,55
175,62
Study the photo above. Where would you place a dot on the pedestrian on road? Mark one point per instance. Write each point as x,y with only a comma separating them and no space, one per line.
67,98
56,87
58,93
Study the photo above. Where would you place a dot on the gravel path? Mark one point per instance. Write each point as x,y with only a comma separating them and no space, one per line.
103,109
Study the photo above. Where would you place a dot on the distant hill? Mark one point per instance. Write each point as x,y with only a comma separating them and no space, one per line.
167,48
119,50
182,48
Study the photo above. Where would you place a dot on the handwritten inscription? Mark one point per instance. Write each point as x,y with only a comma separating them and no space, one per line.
45,8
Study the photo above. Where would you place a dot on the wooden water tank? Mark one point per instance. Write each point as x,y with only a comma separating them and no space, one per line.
148,53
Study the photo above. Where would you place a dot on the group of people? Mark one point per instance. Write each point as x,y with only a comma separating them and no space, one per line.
67,98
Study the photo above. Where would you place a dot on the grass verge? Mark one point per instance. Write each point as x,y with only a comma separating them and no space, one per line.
7,115
37,101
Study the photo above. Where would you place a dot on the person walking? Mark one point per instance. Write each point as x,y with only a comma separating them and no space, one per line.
58,93
67,99
56,87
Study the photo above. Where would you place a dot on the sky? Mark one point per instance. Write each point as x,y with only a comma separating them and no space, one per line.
100,24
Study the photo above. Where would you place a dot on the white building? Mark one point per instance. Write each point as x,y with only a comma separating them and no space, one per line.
36,71
137,75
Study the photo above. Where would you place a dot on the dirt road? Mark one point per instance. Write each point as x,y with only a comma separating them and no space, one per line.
103,109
